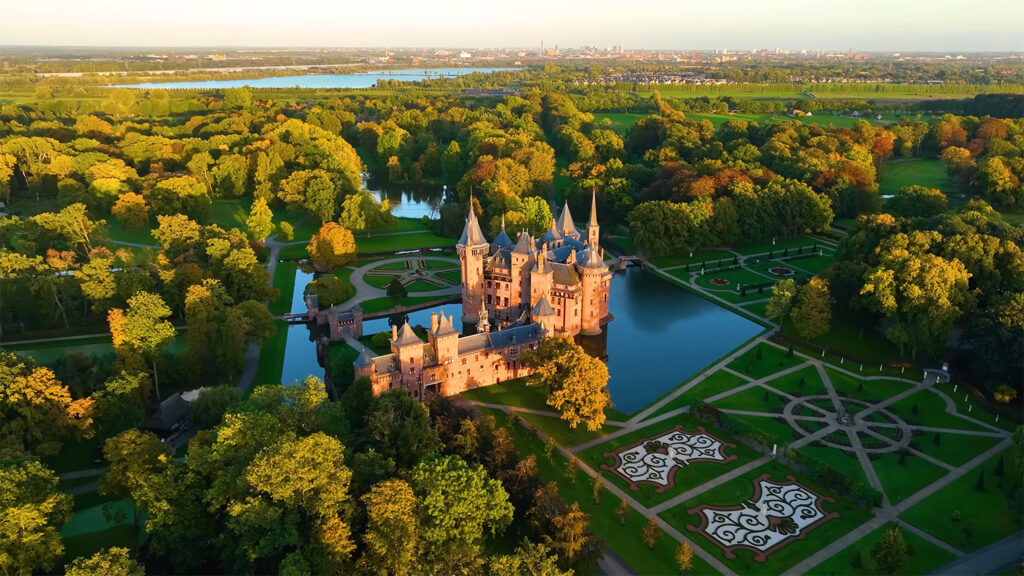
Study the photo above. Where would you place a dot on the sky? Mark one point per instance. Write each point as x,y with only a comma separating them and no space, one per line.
865,25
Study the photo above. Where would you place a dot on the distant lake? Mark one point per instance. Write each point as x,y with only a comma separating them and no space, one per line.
356,80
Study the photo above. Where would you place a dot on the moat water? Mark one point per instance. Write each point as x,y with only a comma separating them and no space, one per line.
315,81
660,337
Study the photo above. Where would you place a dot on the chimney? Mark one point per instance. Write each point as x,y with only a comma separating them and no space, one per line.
433,322
572,257
394,333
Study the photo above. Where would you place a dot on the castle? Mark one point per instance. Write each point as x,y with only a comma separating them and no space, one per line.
516,293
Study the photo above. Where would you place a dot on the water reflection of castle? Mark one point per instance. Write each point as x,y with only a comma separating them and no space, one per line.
516,293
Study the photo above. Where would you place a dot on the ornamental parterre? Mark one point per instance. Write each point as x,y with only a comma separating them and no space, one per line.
654,460
777,515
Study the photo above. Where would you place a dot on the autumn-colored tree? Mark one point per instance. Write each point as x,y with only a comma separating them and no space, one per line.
177,234
142,329
181,195
529,559
651,533
32,512
131,210
74,226
109,562
332,247
812,314
957,160
622,510
597,489
391,531
37,410
576,381
684,557
285,231
260,221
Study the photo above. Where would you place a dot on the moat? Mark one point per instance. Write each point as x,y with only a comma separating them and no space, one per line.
661,336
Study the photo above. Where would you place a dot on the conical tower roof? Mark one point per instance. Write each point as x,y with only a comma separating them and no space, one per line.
524,245
471,234
592,259
406,336
552,235
565,224
502,240
444,327
593,209
363,360
542,308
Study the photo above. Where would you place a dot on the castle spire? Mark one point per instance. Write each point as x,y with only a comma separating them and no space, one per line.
484,324
471,234
593,230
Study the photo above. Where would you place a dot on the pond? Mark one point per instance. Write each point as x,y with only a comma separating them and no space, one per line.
408,200
661,336
314,81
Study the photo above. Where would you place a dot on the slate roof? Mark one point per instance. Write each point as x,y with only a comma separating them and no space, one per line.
406,336
502,240
552,235
499,338
471,234
565,224
444,327
542,308
363,360
564,274
386,363
524,245
591,258
172,410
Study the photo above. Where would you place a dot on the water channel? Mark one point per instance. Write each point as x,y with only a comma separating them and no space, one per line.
316,81
661,336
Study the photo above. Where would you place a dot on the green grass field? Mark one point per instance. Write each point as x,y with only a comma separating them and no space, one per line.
926,556
772,360
715,383
271,363
699,257
985,511
619,121
927,172
284,281
401,242
902,480
384,304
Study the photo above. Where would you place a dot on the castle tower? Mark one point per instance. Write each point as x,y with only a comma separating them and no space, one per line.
542,313
444,338
408,350
472,248
522,257
596,280
593,230
540,277
483,326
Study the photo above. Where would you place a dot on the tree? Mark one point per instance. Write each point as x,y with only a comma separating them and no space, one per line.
177,234
572,468
529,559
781,300
550,446
121,404
32,511
260,221
37,410
684,557
361,213
598,489
238,97
621,511
391,530
131,210
109,562
143,328
332,247
957,160
651,533
572,540
917,201
181,195
134,458
890,552
330,290
208,409
458,503
576,381
396,290
74,226
285,231
812,314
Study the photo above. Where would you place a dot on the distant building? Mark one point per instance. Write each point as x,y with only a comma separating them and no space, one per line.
516,294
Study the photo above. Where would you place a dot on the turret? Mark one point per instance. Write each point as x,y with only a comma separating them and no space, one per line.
542,313
502,240
408,350
596,281
484,324
444,338
472,249
566,227
593,230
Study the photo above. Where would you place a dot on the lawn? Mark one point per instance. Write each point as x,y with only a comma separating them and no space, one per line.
985,512
790,383
783,433
926,557
137,235
953,449
294,252
375,305
872,391
620,122
965,397
122,535
401,242
716,383
733,279
378,281
625,243
740,489
811,264
781,245
284,280
48,352
698,257
757,309
926,408
750,400
75,455
453,276
928,172
623,540
511,393
686,477
772,359
903,480
422,286
271,363
845,462
559,429
851,335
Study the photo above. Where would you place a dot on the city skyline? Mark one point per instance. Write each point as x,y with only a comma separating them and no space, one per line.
792,25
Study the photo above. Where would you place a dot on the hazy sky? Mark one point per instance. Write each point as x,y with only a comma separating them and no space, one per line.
900,25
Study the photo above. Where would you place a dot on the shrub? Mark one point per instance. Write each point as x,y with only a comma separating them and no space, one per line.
381,339
285,232
980,484
956,516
